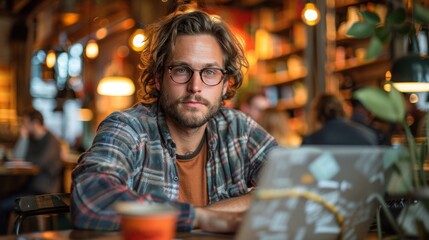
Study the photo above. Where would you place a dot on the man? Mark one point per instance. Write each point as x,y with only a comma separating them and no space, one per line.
335,128
180,145
40,147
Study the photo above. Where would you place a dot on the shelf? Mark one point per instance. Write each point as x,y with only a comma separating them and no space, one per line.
280,77
281,25
352,64
341,40
281,40
283,54
347,3
288,104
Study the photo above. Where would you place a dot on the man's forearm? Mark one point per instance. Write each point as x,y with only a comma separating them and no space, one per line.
222,216
236,204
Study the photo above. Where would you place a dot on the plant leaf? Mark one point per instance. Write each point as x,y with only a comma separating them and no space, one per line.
398,103
383,33
375,48
370,17
397,16
388,106
361,30
421,14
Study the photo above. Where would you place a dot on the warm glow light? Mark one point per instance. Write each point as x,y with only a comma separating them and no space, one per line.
128,23
51,58
388,75
91,50
101,33
69,18
310,14
414,98
387,87
412,86
137,40
116,86
85,114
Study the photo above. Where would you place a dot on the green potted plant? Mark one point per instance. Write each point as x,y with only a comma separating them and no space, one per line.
404,182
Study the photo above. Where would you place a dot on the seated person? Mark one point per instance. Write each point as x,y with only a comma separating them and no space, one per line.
383,129
277,123
39,146
335,129
179,145
254,105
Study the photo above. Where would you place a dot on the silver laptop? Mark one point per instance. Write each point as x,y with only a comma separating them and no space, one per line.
316,192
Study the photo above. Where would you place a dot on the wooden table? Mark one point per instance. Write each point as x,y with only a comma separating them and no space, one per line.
86,234
15,177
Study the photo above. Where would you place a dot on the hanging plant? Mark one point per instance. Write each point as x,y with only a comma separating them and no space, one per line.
397,21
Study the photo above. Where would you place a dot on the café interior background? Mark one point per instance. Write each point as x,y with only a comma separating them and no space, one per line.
46,62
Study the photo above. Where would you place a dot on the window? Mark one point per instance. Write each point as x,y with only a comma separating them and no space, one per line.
53,91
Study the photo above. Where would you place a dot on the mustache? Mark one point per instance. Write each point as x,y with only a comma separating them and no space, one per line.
197,98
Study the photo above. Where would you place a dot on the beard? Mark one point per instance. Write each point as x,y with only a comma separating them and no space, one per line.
189,118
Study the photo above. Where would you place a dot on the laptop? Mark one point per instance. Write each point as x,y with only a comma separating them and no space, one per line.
316,192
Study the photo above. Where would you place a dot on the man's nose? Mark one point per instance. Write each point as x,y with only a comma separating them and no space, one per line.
196,83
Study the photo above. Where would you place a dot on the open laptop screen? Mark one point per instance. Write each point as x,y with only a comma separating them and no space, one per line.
316,192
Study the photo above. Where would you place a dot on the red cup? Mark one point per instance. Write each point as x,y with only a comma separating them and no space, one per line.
147,221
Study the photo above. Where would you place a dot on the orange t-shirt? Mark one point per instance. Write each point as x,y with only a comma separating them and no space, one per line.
193,177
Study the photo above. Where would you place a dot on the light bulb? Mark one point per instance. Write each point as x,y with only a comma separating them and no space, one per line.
116,86
51,58
91,50
310,14
137,40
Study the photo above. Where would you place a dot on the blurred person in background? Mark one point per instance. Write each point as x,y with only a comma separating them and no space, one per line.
254,104
36,144
334,127
276,122
180,145
384,130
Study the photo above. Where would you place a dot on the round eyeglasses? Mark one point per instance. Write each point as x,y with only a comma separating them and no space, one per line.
210,76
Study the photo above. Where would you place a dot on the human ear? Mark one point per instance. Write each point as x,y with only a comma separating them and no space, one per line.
157,84
225,88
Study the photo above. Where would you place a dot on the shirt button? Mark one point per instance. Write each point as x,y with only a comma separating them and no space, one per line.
176,179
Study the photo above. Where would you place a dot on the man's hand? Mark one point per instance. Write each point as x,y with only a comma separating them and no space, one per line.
224,216
216,221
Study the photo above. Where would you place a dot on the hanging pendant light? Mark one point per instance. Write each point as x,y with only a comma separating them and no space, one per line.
116,86
68,12
410,73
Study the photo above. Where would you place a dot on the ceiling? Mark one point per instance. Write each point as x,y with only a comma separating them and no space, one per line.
18,7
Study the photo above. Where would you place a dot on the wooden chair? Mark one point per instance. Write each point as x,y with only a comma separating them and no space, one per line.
39,205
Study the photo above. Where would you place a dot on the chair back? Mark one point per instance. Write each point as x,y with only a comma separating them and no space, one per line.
45,204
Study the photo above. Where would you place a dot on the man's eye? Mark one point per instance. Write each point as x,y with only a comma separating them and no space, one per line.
209,71
180,70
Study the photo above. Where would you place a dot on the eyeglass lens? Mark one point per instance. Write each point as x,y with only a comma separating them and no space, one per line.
182,74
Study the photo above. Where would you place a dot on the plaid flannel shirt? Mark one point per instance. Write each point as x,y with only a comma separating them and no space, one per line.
133,158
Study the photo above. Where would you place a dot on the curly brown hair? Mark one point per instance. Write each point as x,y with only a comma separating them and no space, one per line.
159,47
